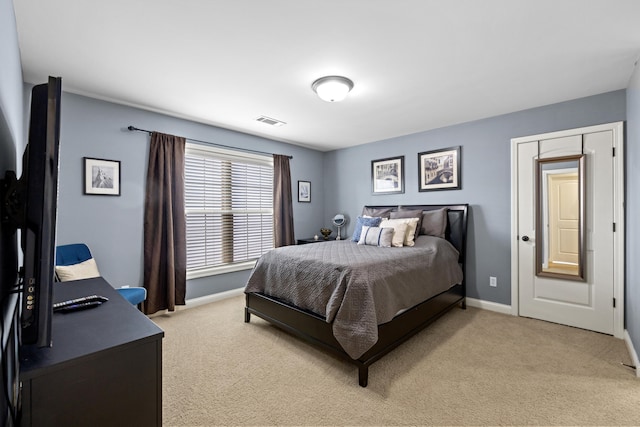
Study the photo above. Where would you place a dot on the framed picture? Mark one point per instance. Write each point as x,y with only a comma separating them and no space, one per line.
387,175
439,169
304,191
101,177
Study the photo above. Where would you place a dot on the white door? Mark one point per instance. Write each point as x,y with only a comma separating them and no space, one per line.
585,304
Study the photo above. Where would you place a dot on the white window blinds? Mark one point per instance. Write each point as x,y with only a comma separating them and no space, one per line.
229,208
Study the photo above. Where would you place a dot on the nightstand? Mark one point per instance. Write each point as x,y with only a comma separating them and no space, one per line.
312,240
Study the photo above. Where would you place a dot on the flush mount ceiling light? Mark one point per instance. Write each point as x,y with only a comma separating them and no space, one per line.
332,88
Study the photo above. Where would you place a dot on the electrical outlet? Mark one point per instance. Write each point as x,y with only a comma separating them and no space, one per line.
493,282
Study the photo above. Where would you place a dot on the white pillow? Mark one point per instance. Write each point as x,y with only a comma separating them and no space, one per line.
399,232
409,232
376,236
83,270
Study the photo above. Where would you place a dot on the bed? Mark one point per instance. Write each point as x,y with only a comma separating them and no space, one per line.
357,301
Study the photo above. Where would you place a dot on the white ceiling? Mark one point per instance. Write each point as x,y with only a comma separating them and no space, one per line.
416,64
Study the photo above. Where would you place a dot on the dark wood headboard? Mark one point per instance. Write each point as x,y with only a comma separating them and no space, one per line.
456,231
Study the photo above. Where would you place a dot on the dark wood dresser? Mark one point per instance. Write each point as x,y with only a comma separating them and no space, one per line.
104,369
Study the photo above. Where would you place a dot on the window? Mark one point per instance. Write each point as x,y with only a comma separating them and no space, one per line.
229,209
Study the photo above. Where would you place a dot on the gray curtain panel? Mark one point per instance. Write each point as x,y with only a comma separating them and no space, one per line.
282,202
165,244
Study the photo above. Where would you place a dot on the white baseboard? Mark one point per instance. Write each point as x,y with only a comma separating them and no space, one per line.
471,302
207,299
195,302
632,352
488,305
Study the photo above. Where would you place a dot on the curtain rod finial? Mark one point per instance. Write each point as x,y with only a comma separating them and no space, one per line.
131,128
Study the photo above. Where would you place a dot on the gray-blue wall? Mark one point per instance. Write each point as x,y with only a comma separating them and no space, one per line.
632,294
112,226
341,181
486,178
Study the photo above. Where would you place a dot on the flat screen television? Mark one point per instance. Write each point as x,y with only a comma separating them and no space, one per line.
31,205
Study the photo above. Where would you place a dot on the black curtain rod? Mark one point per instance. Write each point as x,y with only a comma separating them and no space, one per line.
248,150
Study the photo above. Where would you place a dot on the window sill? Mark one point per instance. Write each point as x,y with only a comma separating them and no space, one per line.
214,271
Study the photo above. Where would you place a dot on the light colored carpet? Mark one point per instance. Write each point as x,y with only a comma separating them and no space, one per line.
471,367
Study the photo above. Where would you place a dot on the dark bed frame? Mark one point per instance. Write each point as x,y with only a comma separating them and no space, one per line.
315,330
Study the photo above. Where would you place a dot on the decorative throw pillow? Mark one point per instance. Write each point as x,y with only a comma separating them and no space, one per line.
434,223
376,212
409,234
360,221
83,270
376,236
409,213
399,231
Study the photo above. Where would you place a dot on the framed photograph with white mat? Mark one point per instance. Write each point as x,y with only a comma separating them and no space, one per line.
101,177
387,175
304,191
439,169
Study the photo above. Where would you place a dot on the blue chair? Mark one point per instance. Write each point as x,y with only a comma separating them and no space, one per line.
79,256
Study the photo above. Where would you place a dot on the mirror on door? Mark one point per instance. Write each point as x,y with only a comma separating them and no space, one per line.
560,217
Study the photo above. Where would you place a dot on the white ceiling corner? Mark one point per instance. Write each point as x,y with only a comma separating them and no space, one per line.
416,64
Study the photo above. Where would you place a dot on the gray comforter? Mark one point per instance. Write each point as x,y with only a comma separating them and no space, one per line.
357,287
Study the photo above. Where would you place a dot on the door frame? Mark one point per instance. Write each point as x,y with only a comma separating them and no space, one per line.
617,129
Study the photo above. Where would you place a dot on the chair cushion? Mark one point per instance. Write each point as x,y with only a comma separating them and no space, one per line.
134,295
82,270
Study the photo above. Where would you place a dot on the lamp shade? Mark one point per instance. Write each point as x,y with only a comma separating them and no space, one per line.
332,88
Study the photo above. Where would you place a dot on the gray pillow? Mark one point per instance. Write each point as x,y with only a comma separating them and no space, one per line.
376,236
434,223
409,213
376,212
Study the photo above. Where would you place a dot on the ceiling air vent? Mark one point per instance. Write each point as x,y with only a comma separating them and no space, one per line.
270,121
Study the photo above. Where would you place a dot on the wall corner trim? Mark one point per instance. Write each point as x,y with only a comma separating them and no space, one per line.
632,352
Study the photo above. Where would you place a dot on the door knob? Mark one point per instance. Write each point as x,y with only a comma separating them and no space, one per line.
525,238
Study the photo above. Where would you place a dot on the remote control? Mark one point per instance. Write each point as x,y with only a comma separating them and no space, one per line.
91,298
78,306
